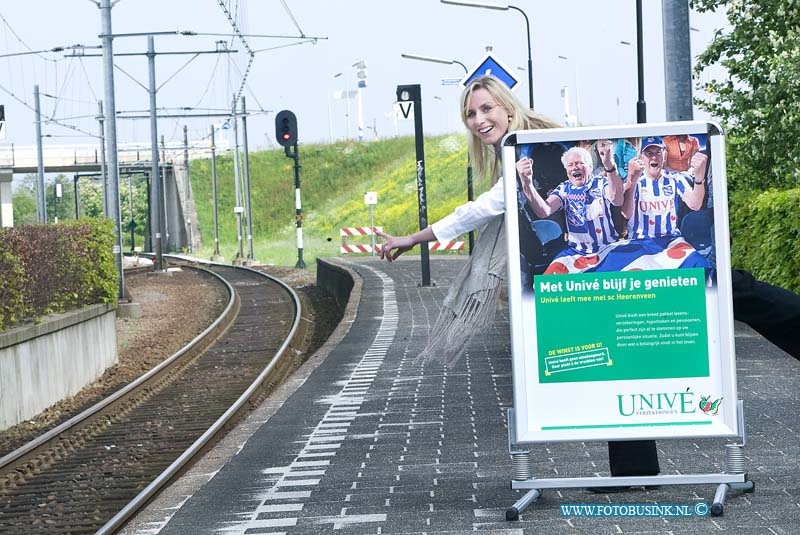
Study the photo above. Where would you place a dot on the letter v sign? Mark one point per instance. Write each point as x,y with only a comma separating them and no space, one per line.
406,109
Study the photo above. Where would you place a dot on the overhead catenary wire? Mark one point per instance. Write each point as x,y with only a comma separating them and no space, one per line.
53,121
251,91
72,118
23,43
88,82
67,99
63,87
260,35
60,87
177,71
210,81
67,76
291,16
312,40
251,56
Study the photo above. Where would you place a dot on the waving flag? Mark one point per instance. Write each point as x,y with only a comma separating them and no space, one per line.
627,255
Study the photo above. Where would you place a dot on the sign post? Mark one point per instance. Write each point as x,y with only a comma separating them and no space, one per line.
58,192
490,65
408,96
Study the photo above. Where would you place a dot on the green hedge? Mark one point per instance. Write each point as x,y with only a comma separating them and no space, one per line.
55,268
765,226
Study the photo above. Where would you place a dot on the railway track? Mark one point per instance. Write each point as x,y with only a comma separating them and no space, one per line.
90,474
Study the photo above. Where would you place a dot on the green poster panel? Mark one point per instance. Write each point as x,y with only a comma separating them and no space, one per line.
621,326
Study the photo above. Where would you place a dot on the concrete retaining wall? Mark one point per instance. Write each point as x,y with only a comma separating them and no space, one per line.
335,280
45,363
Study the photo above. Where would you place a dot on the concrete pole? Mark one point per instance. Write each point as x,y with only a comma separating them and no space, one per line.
236,179
247,183
187,186
103,170
347,102
6,196
360,105
155,202
40,157
216,256
677,60
111,121
163,205
330,116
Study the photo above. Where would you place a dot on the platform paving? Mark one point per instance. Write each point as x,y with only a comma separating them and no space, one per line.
365,441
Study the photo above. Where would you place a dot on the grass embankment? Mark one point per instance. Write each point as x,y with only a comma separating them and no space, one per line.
334,179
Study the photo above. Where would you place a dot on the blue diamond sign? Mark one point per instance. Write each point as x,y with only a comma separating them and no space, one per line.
493,66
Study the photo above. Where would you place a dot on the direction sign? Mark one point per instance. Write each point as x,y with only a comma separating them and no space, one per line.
491,65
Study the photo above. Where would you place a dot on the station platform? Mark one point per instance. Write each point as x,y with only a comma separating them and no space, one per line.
362,440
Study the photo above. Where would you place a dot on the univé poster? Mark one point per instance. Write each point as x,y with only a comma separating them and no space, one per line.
619,283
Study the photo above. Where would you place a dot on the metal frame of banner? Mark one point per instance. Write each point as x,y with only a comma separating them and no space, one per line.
734,476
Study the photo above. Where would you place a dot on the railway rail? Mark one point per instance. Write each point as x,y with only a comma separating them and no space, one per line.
93,472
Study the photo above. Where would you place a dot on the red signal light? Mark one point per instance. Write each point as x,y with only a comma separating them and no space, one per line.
286,128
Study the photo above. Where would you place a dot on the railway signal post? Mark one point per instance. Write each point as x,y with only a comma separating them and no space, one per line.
286,134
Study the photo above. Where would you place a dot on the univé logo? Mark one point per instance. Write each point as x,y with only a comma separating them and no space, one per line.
656,403
708,406
665,403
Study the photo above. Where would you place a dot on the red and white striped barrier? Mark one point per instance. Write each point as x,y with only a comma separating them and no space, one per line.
357,231
445,245
349,232
346,249
353,232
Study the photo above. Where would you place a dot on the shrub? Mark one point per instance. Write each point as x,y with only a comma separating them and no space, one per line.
55,268
12,285
764,229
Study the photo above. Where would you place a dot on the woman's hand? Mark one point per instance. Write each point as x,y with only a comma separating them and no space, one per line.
394,246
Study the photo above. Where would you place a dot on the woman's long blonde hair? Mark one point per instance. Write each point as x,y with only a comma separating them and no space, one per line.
485,160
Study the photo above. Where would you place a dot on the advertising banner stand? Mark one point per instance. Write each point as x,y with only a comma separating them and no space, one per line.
621,317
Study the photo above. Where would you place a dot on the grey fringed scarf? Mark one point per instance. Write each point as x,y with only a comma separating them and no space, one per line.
470,304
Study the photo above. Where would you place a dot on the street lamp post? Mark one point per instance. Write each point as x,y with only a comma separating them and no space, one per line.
432,59
361,83
505,7
330,109
345,95
435,60
577,89
641,106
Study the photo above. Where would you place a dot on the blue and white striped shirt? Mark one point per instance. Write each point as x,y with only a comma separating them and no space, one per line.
655,205
588,214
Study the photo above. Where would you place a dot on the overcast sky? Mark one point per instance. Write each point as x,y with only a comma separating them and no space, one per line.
301,77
